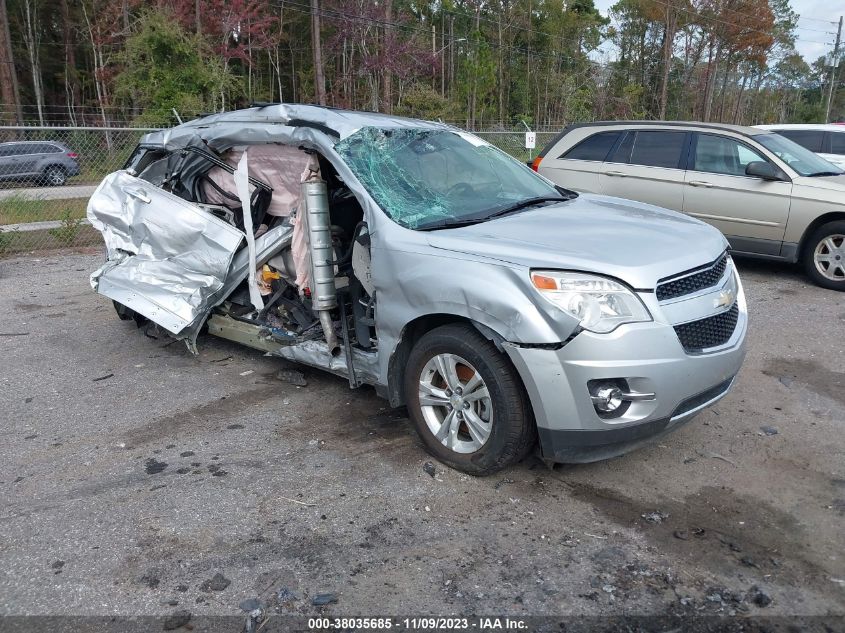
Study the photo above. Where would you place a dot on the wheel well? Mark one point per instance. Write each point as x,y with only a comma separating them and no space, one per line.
412,332
822,219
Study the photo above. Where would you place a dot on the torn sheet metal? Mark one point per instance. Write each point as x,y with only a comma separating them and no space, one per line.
317,354
166,255
266,246
277,123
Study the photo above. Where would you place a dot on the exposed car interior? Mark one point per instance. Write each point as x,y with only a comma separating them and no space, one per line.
287,281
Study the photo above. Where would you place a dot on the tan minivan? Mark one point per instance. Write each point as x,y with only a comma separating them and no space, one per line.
769,196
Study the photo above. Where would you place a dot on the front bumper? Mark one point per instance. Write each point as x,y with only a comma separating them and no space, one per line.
650,357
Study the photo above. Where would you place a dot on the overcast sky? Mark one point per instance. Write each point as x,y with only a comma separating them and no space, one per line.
809,42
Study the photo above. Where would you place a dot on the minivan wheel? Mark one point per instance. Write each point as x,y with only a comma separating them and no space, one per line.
824,255
466,401
55,176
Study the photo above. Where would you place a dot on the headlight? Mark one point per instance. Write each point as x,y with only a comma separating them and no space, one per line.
600,304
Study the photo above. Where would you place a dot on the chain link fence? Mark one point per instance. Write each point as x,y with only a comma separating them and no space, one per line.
47,175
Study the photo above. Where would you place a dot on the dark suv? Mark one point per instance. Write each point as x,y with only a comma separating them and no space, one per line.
44,162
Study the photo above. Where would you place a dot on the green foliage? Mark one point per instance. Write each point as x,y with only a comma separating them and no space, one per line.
17,208
6,239
486,62
423,102
631,102
69,229
164,67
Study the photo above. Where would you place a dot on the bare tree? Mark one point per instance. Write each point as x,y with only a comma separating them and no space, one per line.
32,40
8,79
669,28
387,78
99,68
72,91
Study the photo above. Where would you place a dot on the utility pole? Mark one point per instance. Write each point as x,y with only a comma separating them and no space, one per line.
833,67
319,76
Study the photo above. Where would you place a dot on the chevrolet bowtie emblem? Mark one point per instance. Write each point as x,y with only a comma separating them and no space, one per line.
725,299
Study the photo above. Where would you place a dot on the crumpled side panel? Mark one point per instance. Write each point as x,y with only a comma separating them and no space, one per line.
166,255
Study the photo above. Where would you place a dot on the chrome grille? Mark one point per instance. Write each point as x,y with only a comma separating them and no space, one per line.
704,278
710,332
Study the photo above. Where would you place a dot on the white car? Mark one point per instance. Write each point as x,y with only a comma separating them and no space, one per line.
826,140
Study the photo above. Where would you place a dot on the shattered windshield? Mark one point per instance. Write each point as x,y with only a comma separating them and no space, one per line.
422,177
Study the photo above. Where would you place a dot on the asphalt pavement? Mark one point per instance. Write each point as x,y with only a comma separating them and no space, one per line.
137,479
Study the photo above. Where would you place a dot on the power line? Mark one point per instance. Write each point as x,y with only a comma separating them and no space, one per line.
804,17
804,28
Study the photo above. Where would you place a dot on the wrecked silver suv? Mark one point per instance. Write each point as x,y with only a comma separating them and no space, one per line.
419,259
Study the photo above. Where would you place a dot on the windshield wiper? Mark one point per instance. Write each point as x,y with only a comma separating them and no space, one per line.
448,224
826,173
522,204
530,202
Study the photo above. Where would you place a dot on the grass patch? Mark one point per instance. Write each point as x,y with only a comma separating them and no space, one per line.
16,209
68,230
16,242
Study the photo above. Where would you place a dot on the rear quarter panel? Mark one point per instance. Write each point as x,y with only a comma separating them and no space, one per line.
808,204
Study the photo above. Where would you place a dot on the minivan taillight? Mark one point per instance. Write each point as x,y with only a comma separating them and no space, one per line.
536,164
72,155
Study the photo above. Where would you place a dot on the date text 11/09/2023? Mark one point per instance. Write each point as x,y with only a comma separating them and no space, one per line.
417,624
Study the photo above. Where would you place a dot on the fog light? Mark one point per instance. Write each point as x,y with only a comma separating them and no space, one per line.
607,399
612,397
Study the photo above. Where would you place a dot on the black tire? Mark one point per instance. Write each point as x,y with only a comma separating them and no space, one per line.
54,176
834,276
128,314
512,431
123,313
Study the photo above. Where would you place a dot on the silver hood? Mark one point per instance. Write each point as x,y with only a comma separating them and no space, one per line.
637,243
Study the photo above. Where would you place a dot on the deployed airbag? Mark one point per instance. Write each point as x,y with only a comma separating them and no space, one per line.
280,166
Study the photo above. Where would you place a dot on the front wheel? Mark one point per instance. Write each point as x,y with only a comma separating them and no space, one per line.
466,401
824,256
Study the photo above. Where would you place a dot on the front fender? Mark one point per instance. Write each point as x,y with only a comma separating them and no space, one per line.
498,296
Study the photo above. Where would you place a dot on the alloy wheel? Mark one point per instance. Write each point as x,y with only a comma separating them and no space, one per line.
829,257
455,403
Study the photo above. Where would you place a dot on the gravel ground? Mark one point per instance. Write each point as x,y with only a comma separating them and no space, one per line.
136,479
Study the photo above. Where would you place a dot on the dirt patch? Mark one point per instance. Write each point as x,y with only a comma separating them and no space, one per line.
815,376
720,531
170,426
29,307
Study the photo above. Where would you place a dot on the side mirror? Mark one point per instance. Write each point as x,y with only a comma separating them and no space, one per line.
764,170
